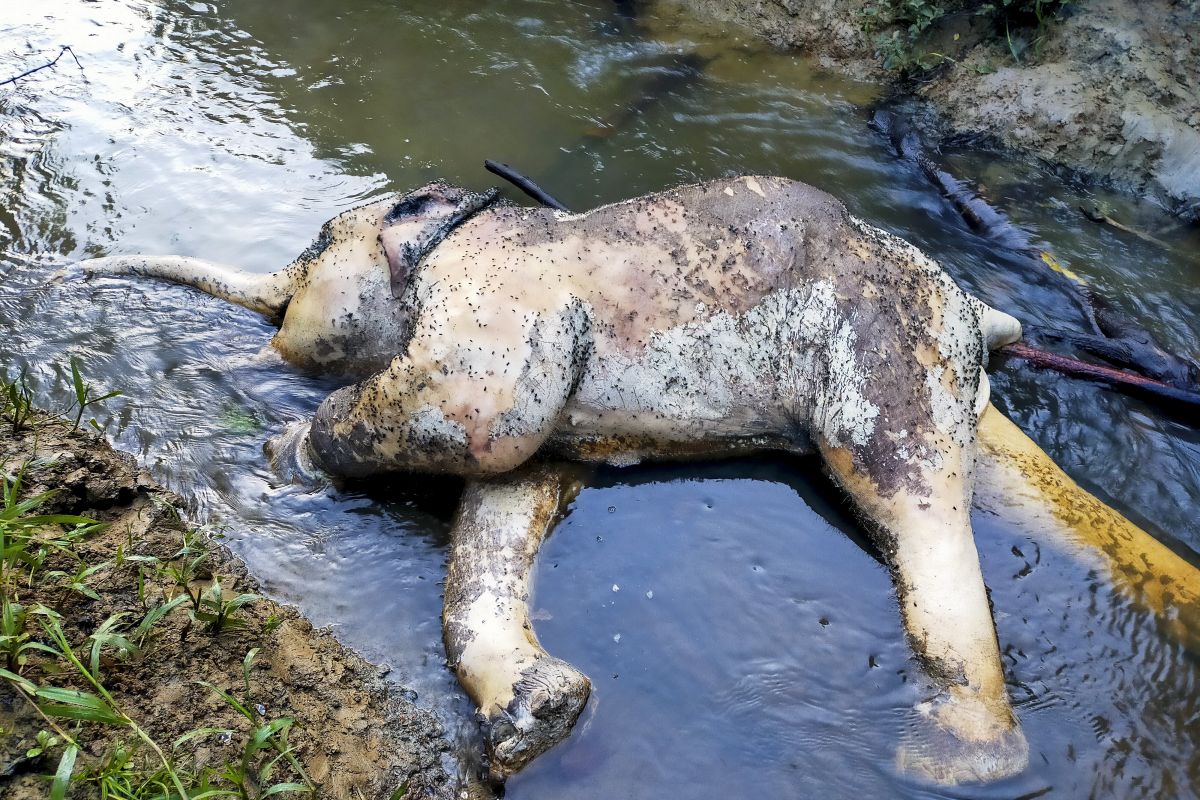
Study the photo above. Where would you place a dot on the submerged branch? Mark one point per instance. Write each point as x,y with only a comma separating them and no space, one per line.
1123,380
1115,331
66,48
1096,215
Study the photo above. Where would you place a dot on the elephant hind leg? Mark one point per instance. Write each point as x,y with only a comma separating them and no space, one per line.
528,700
915,493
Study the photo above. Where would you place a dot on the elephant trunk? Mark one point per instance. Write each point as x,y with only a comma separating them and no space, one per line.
267,294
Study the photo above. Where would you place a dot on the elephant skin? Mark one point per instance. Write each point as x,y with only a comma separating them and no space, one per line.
720,318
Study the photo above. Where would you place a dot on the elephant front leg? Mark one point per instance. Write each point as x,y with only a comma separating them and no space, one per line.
965,729
528,699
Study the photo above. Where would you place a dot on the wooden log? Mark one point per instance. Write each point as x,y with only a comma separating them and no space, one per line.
1142,352
1096,215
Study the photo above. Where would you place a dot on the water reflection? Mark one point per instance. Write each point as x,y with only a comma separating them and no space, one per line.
769,660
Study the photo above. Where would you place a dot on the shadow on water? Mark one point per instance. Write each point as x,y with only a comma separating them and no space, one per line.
742,638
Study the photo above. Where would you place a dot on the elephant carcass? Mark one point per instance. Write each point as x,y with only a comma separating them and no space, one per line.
715,319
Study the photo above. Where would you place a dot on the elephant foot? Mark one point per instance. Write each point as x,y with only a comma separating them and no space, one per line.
547,699
290,457
962,741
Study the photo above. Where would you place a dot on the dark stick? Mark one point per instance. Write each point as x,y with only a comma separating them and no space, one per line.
66,48
1096,215
524,184
1118,378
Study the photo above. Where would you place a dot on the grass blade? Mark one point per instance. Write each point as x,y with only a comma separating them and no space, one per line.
24,684
246,664
74,704
62,776
200,733
57,519
154,615
77,380
231,700
286,787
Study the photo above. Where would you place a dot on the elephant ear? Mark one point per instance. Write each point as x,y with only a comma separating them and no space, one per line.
419,222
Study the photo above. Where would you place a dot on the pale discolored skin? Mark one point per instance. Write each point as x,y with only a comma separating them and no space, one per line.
725,317
529,700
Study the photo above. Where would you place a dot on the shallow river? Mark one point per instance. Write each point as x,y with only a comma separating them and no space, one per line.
743,639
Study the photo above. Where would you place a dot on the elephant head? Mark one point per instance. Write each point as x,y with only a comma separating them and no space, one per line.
341,304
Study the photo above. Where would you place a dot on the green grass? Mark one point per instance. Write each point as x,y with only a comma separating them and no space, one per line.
66,680
265,748
16,399
902,27
86,396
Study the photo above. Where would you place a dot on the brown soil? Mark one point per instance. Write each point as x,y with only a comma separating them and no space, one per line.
1113,91
355,734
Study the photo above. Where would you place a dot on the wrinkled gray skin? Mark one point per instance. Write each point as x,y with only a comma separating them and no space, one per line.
715,319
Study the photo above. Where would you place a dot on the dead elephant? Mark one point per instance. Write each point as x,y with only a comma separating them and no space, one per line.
715,319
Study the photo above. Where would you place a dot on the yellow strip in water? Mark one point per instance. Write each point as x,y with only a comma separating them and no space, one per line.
1018,481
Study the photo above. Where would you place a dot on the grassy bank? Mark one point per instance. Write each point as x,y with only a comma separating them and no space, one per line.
137,659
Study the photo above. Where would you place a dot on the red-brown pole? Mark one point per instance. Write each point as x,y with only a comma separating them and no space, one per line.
1116,377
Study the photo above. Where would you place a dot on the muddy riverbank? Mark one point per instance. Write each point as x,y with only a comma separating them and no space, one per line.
353,734
1110,91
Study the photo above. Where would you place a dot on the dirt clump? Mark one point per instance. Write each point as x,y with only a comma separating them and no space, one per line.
354,735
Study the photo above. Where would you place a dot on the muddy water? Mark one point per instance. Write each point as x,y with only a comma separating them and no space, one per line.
743,639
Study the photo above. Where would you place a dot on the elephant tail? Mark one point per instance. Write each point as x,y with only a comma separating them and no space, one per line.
268,294
998,328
